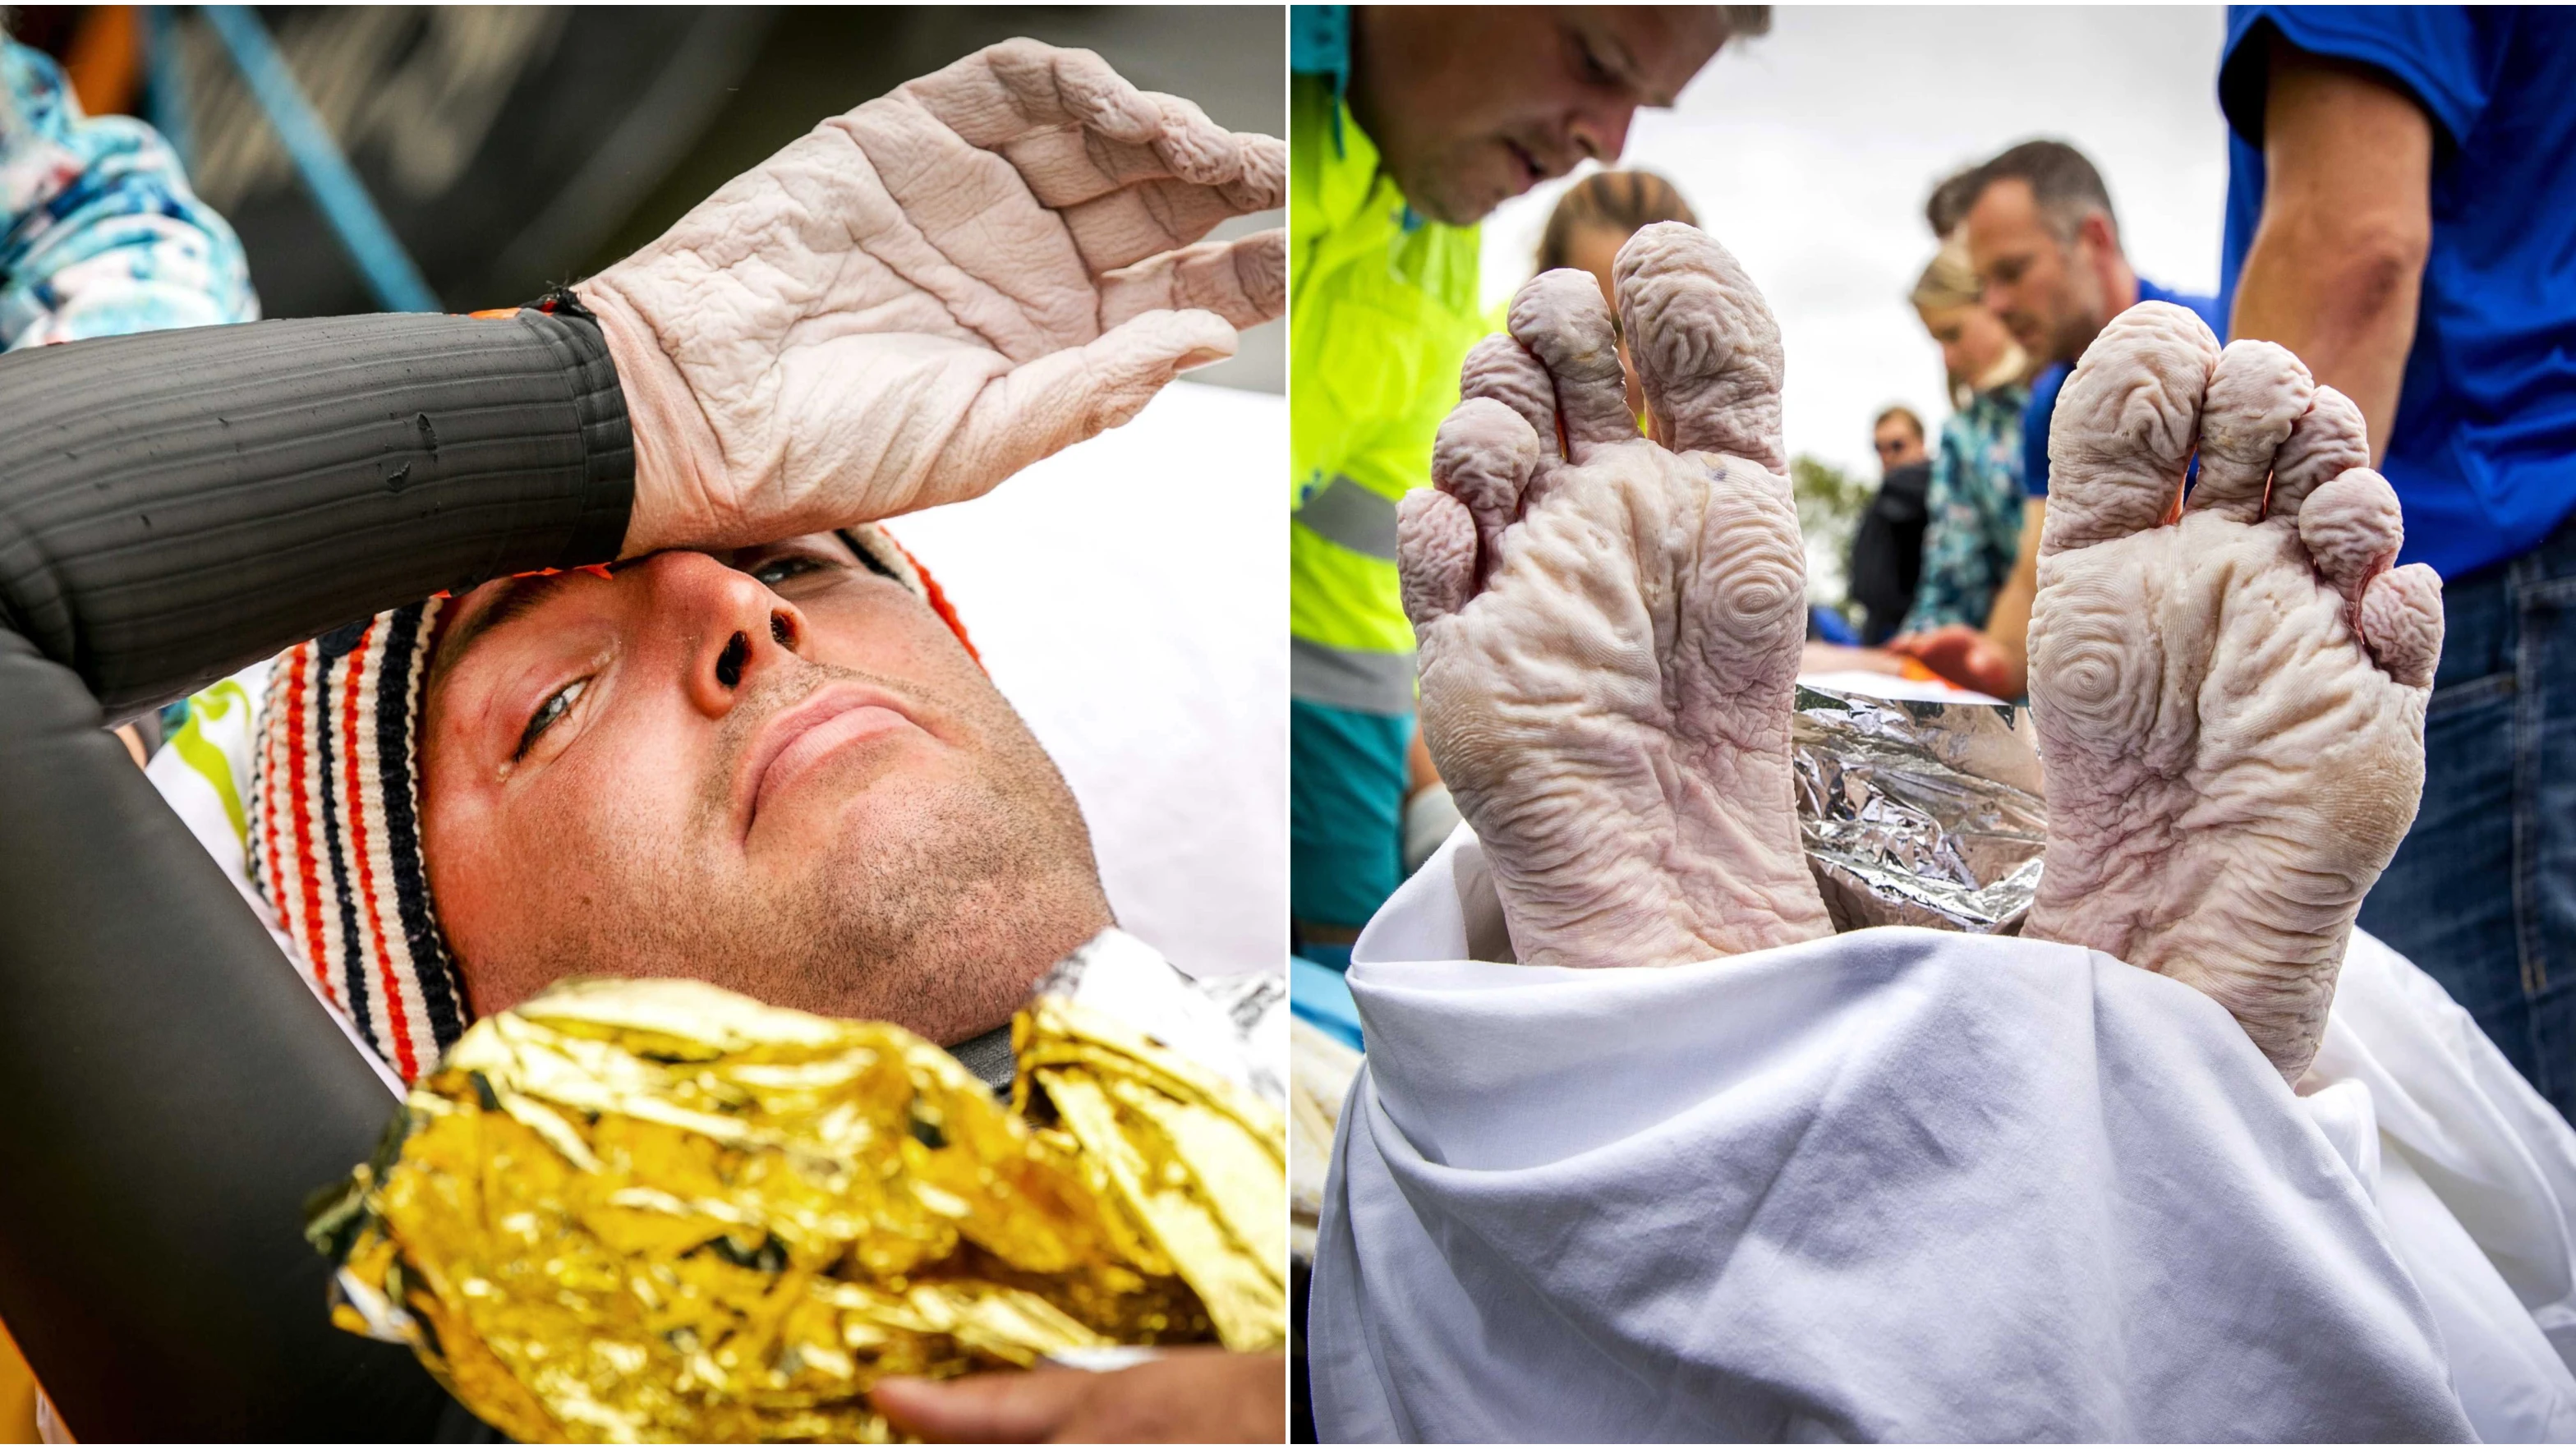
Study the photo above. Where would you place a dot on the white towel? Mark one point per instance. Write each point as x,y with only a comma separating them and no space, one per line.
1919,1185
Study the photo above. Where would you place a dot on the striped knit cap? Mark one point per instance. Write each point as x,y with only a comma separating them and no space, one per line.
334,841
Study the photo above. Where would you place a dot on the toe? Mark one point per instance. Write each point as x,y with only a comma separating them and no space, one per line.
1505,371
2329,441
1484,457
1560,317
1435,556
2257,393
2124,425
2352,529
1706,346
2401,621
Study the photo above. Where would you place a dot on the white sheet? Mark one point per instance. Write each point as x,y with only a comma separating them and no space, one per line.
1907,1184
1125,595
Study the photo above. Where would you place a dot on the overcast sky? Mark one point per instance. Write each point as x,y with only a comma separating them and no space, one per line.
1809,153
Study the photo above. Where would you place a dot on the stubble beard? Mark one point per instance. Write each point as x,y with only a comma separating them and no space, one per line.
941,927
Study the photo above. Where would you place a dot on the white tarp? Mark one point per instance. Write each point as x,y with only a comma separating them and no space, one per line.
1905,1184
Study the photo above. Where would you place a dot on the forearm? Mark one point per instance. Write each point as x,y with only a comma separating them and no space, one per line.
2008,621
176,505
2336,269
173,1092
2346,306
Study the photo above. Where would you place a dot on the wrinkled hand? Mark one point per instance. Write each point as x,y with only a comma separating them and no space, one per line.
919,298
1609,633
1189,1396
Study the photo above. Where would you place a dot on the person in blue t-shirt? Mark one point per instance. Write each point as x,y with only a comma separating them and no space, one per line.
2046,248
2401,212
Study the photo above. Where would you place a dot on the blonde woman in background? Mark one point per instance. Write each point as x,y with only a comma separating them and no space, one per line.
1972,534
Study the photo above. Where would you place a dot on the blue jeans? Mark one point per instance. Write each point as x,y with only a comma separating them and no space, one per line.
2482,893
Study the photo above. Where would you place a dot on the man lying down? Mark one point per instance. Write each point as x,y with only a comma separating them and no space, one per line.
573,708
1696,1168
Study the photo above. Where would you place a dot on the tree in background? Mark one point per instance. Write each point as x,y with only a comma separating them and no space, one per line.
1830,503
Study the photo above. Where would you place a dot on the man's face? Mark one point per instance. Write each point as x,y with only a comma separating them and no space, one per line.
778,772
1471,107
1897,444
2048,292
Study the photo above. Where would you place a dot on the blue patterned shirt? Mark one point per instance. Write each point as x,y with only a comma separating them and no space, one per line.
1972,512
103,235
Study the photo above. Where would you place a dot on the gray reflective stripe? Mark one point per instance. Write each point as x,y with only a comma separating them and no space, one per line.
1359,679
1352,516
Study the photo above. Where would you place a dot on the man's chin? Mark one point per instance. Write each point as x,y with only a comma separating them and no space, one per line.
1456,201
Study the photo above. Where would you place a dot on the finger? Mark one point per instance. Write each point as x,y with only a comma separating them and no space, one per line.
1560,317
1435,556
2401,622
1706,345
2328,441
1045,406
990,1408
1019,87
2258,392
1503,370
1070,165
1245,281
2124,425
2352,529
1127,226
1484,457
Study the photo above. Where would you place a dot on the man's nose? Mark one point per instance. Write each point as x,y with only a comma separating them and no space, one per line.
734,631
1601,131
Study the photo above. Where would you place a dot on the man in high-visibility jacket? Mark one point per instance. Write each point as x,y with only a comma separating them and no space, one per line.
1406,127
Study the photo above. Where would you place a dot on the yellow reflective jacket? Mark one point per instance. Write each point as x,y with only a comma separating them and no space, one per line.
1380,316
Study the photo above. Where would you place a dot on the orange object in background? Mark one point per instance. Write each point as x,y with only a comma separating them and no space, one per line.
17,1395
105,59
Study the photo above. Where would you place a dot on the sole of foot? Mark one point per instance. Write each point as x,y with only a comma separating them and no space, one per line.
2229,687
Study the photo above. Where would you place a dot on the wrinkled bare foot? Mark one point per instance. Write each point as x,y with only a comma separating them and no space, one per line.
1609,631
2230,705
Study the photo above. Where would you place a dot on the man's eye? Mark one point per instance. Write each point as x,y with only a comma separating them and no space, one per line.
776,571
557,705
1589,63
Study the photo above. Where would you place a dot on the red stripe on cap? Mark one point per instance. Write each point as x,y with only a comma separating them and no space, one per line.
405,1060
938,599
312,889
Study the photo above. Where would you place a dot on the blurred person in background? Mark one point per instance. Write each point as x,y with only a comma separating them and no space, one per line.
1407,126
103,235
1972,528
2045,245
1887,548
2401,210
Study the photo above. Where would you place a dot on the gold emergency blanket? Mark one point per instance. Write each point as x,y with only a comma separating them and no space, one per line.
659,1211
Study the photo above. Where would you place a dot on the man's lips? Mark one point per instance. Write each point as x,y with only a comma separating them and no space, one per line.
804,735
1531,172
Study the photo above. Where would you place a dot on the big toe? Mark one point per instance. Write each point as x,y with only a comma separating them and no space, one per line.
2257,393
1560,317
2125,425
1705,343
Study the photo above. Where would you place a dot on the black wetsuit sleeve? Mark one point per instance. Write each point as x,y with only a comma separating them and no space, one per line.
172,506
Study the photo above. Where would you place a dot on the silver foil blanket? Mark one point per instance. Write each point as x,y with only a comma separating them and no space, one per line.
1918,813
